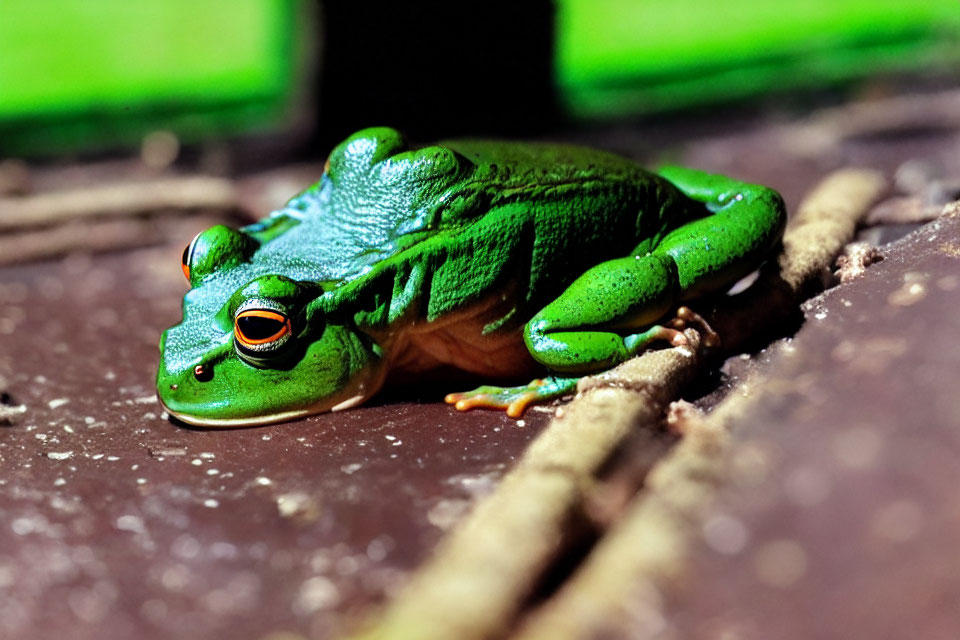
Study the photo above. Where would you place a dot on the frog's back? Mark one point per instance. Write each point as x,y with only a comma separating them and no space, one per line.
542,179
380,197
467,217
483,217
514,164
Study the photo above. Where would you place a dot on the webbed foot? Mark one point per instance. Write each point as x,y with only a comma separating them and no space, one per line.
514,400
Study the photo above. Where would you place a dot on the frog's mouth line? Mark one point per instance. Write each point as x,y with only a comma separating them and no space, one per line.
229,423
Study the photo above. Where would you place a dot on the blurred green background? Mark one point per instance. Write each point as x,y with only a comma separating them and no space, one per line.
93,76
628,56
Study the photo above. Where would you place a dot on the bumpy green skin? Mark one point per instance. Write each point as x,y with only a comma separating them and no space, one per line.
581,252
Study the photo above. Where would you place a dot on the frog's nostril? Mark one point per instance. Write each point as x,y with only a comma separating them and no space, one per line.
203,373
174,387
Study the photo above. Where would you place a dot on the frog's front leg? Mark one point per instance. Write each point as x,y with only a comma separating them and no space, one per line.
514,400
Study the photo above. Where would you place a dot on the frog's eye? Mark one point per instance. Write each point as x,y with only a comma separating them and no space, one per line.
187,254
219,248
259,331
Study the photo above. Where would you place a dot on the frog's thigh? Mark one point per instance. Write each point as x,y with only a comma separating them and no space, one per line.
713,252
584,329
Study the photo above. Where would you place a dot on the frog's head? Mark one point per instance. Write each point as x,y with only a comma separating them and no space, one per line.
271,352
255,347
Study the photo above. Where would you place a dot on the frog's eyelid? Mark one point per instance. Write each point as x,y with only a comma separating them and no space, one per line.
262,304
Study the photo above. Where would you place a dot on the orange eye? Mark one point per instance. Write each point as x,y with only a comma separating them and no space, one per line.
188,255
259,327
185,261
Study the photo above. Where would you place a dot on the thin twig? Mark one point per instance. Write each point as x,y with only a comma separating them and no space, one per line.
619,583
482,573
177,194
900,114
92,236
824,223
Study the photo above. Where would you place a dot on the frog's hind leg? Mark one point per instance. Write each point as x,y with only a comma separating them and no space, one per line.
744,222
603,318
606,315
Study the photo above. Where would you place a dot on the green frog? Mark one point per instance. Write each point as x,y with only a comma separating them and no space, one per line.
503,260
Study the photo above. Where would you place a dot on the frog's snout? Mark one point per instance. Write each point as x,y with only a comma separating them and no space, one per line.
177,381
186,393
209,384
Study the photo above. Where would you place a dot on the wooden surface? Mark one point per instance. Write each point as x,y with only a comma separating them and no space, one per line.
116,522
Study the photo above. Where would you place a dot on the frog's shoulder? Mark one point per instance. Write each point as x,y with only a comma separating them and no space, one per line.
518,172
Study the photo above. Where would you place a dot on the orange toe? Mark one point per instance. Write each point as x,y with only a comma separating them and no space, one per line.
516,408
479,401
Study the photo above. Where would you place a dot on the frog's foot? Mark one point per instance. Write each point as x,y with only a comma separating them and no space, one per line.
637,342
672,332
514,399
686,317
